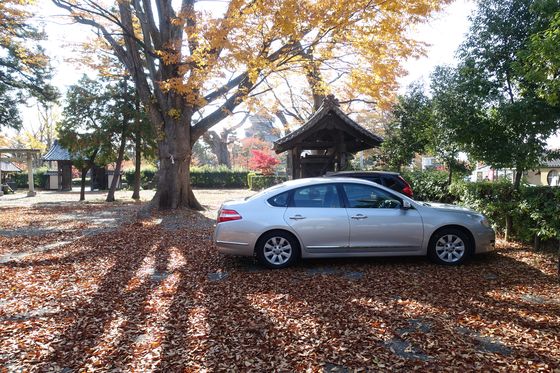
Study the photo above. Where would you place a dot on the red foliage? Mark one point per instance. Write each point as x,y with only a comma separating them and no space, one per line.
263,162
76,173
242,153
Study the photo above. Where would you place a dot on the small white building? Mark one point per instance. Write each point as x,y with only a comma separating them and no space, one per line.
488,173
431,163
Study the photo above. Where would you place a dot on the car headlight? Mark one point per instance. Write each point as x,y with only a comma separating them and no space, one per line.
485,222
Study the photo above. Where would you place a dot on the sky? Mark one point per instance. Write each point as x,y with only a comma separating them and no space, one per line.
443,34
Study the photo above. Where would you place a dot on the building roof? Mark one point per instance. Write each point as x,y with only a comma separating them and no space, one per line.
363,139
57,153
552,163
9,167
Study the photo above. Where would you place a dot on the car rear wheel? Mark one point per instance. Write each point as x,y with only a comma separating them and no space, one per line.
277,249
449,247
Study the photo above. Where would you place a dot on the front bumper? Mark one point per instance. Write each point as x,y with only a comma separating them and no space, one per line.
485,241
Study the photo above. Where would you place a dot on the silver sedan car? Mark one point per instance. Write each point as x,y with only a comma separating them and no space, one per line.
346,217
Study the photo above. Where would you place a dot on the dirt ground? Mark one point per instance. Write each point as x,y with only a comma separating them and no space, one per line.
89,287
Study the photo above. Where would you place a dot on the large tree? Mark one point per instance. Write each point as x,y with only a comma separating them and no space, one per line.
542,62
24,68
98,118
406,133
506,122
193,65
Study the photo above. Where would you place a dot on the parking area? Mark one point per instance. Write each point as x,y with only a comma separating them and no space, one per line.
89,286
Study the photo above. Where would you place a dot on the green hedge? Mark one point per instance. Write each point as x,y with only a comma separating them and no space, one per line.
538,213
147,177
429,185
218,179
259,182
494,199
201,177
39,178
535,211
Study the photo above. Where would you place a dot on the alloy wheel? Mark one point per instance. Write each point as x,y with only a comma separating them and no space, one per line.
277,250
450,248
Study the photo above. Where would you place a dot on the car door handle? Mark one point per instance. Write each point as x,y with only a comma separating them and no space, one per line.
359,217
297,217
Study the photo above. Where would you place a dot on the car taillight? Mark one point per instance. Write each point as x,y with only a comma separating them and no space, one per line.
407,190
228,215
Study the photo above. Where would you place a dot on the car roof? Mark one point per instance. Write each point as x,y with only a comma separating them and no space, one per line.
362,173
322,180
290,184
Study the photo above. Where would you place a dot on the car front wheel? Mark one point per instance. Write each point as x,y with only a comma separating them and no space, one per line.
277,250
449,247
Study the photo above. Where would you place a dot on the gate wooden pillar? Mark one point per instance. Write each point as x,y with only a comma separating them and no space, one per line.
30,181
17,157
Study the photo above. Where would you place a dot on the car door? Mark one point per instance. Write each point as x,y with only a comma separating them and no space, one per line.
318,217
378,223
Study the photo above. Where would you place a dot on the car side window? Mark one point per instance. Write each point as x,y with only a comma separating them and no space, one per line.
280,200
365,196
323,196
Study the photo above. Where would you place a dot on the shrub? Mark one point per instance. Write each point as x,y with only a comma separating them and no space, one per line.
538,213
147,177
39,178
250,176
218,178
429,185
494,199
259,182
201,177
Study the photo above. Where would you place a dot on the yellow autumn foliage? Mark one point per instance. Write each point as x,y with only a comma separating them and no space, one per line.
364,40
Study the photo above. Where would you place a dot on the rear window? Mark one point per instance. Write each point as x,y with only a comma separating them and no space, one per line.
394,182
375,179
280,200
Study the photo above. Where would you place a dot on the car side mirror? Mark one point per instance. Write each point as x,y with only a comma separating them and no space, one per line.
406,205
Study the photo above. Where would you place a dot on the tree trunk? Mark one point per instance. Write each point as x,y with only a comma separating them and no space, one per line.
218,144
314,78
559,258
137,165
537,242
509,220
450,175
116,175
509,225
83,184
223,153
517,180
174,183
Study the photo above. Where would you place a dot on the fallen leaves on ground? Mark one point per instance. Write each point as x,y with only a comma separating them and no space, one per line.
154,295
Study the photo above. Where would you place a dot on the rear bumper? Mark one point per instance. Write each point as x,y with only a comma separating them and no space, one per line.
231,241
234,248
485,241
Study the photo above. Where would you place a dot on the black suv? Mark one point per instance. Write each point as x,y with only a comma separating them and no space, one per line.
391,180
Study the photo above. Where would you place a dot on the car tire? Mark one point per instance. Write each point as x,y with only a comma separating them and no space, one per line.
449,247
277,249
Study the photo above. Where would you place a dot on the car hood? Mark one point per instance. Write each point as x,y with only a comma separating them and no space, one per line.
448,207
